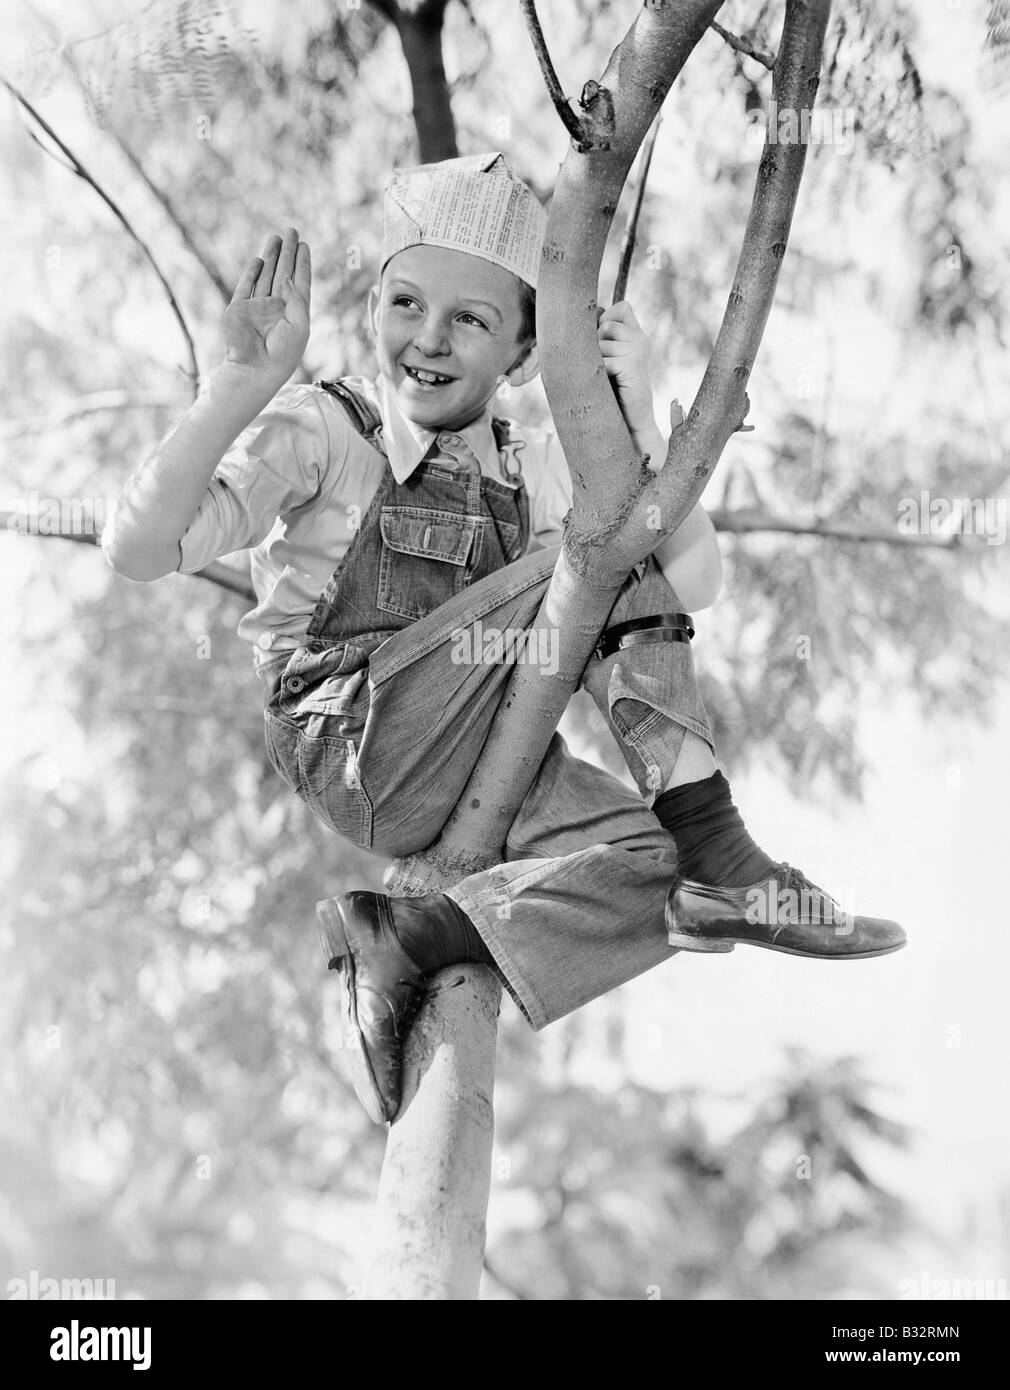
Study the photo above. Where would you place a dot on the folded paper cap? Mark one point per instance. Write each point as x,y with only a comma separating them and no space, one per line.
473,204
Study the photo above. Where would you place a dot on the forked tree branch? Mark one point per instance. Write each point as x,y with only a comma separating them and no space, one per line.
620,509
562,105
618,112
606,471
721,403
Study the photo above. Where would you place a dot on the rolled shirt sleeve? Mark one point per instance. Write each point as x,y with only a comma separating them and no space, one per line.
276,464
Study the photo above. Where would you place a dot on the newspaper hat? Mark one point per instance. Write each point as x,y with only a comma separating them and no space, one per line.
474,204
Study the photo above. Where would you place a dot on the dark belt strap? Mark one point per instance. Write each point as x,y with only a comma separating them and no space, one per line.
659,627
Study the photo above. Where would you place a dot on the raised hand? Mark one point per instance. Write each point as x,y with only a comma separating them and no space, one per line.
266,324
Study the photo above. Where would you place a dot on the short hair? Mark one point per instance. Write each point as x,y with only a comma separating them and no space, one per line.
527,311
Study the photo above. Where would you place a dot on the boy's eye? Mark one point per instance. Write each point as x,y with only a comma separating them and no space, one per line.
403,300
472,318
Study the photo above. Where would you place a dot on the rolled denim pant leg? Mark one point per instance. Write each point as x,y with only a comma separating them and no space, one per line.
578,907
648,693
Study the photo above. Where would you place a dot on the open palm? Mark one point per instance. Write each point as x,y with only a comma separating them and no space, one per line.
267,322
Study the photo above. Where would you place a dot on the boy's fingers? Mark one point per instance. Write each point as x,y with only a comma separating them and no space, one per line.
625,323
615,333
303,270
247,280
265,280
286,259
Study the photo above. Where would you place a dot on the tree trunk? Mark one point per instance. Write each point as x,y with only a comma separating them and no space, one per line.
431,1207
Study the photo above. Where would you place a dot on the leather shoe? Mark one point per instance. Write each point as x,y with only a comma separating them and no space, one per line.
784,912
381,990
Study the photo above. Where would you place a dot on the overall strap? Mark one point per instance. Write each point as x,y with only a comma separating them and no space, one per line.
501,430
366,419
508,447
363,415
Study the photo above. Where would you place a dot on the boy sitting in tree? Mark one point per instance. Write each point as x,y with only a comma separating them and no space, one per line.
389,518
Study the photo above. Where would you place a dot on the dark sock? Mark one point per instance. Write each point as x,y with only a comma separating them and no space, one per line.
455,940
712,841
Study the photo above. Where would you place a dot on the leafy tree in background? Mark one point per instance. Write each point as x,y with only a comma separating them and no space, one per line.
178,1123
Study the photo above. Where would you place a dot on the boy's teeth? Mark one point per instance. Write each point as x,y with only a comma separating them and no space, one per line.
429,378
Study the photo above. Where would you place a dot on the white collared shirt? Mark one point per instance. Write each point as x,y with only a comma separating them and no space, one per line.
406,443
295,486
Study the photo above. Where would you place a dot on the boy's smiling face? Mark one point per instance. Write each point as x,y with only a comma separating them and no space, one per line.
447,328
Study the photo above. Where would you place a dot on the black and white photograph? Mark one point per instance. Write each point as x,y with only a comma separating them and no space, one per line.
504,729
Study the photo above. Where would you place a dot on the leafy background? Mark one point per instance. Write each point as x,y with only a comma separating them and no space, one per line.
176,1115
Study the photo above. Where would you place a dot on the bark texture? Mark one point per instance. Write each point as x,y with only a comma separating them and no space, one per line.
431,1207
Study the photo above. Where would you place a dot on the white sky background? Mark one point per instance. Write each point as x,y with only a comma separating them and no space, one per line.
930,1022
928,846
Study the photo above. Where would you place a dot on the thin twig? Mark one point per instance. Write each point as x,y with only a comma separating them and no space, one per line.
571,122
742,46
94,404
201,257
748,520
78,168
631,230
206,264
17,523
203,260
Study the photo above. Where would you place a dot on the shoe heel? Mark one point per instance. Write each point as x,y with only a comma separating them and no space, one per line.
698,943
332,936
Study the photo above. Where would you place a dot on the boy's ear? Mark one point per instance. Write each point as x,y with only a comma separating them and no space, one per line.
526,367
373,309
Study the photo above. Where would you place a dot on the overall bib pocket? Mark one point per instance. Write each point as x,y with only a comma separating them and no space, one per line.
426,557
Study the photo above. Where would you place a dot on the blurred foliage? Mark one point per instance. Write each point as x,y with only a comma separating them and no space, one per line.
176,1119
632,1197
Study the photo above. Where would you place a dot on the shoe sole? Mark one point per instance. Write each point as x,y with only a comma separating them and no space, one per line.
339,957
701,946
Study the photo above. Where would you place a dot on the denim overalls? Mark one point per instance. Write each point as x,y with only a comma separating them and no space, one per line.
377,726
420,543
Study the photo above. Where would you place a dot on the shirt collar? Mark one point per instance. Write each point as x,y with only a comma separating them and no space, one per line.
406,443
